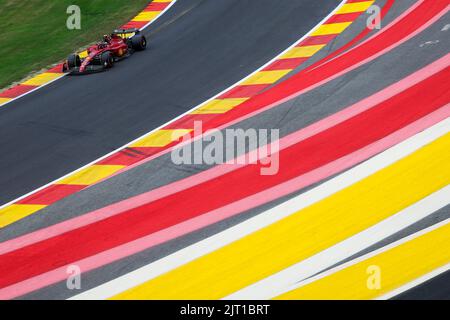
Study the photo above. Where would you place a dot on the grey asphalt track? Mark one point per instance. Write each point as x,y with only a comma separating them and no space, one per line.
289,116
197,49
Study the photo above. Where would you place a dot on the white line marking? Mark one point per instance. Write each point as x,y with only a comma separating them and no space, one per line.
177,118
31,91
269,217
91,163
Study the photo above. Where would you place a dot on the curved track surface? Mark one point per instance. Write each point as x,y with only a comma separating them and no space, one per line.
197,49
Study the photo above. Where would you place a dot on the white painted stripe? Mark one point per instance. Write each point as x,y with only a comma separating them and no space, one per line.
289,278
180,116
374,253
269,217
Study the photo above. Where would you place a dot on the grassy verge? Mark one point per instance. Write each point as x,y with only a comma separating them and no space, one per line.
34,33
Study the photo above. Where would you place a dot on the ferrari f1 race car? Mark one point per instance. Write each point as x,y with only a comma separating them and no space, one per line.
119,45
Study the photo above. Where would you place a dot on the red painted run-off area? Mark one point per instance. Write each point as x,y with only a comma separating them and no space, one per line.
353,134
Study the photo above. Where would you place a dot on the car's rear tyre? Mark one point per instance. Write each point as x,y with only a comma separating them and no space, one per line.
73,61
138,42
107,60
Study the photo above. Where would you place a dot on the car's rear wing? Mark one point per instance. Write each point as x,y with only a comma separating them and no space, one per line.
126,33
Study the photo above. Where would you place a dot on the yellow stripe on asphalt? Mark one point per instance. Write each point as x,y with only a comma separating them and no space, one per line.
4,100
91,175
165,1
127,35
42,79
306,232
331,28
219,106
15,212
302,52
161,138
266,77
382,273
355,7
146,16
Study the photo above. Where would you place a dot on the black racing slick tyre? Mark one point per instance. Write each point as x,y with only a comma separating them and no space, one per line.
139,42
73,61
107,60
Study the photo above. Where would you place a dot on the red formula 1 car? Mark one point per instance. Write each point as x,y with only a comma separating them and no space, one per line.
115,47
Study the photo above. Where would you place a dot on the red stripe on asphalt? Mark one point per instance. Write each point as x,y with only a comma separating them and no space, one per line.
126,157
56,69
134,24
315,40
